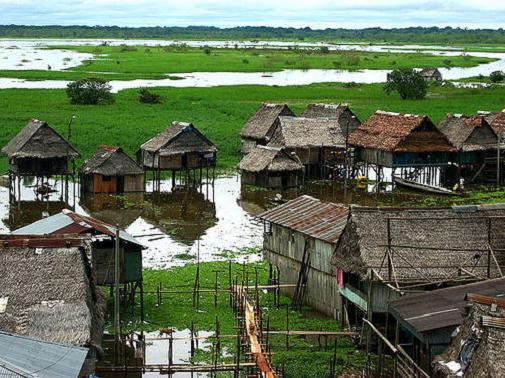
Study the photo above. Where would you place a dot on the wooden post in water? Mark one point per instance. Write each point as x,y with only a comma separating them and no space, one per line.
116,299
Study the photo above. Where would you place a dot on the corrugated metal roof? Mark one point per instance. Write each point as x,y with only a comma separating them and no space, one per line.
41,358
310,216
443,307
69,222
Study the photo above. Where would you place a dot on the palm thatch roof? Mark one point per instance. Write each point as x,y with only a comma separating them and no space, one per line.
478,347
430,73
261,124
310,216
468,133
49,290
426,244
300,132
179,137
395,132
38,140
496,120
111,161
271,159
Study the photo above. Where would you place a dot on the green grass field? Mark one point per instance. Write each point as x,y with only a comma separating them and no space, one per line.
305,358
220,112
142,62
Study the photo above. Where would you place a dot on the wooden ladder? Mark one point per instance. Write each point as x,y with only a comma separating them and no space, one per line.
303,276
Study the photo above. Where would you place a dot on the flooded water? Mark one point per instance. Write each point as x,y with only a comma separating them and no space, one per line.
30,54
156,353
180,225
177,225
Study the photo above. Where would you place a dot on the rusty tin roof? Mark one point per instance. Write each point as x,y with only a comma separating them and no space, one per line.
310,216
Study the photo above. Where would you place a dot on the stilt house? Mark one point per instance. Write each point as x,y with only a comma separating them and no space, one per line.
38,150
102,246
299,239
431,74
345,116
111,170
271,167
474,139
259,128
383,252
180,147
320,143
427,321
48,292
401,140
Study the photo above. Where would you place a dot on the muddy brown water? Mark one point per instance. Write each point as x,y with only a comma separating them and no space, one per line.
215,221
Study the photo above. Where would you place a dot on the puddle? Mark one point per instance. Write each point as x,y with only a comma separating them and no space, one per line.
14,58
157,353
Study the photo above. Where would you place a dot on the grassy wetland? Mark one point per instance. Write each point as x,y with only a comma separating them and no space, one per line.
305,357
220,112
148,62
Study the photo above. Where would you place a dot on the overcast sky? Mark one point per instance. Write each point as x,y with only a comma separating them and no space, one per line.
225,13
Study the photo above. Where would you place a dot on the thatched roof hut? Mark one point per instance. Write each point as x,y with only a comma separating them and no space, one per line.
496,120
39,150
427,245
111,170
469,133
260,127
49,290
271,167
478,347
342,112
180,146
301,132
395,139
102,245
431,74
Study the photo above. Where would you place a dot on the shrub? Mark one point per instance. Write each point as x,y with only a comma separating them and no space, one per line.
497,76
324,50
351,60
408,83
90,91
447,62
207,50
147,97
245,61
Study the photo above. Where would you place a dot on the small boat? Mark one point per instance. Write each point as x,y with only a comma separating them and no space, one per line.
424,187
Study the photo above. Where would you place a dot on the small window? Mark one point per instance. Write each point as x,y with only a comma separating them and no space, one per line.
267,228
106,178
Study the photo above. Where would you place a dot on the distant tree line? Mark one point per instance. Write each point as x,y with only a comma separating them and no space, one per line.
435,35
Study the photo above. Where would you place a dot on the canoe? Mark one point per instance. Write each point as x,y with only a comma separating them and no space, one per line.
423,187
